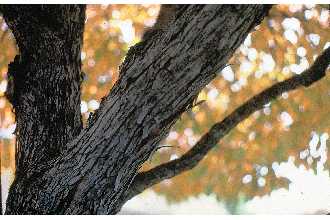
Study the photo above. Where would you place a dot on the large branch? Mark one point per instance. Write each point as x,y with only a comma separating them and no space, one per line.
44,80
43,85
190,159
158,80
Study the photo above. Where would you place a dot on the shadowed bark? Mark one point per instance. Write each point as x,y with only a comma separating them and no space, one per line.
62,171
43,86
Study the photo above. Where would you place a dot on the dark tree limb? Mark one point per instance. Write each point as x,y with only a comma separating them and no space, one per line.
189,160
44,80
44,85
159,79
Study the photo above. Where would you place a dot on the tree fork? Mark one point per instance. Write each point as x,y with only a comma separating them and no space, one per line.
219,130
91,171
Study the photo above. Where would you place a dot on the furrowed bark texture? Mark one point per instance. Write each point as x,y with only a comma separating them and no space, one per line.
44,86
189,160
159,79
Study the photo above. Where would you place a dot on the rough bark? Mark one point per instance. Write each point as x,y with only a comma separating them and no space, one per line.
44,86
219,130
159,79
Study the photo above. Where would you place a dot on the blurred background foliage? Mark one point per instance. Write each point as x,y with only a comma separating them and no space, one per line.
243,165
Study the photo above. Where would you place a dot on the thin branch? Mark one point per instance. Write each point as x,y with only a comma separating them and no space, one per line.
158,80
189,160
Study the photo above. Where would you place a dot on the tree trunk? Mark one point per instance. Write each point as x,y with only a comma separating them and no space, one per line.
64,169
45,80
